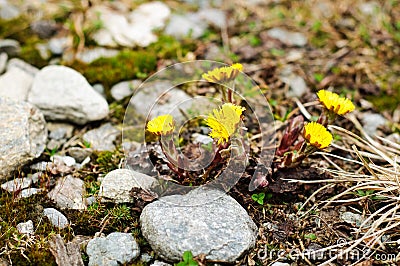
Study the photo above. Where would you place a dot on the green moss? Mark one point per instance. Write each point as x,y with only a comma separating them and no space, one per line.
31,55
23,250
108,161
131,64
18,29
385,101
117,110
125,66
168,47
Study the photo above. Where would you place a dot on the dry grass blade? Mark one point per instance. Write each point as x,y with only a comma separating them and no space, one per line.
376,170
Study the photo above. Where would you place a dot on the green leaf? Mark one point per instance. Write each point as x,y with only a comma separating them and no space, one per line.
360,192
187,256
311,236
259,198
318,77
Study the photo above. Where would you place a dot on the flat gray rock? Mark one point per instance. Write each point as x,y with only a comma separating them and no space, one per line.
135,29
28,192
203,221
23,134
89,55
115,249
215,17
371,122
67,160
156,98
160,263
16,184
124,89
59,131
56,218
68,193
44,28
79,154
22,65
117,184
287,37
297,85
102,138
64,94
181,26
57,45
15,84
10,47
8,11
25,228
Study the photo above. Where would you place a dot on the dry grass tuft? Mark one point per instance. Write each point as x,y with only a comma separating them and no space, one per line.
376,169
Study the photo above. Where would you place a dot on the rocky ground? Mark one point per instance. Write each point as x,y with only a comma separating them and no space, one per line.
69,70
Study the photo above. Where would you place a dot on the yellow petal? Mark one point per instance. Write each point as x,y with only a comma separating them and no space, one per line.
317,135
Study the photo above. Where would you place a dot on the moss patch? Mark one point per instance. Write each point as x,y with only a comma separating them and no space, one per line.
19,29
21,249
125,66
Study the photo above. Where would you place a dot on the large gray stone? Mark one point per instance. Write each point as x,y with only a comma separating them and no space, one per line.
117,184
68,193
23,135
115,249
156,98
203,221
136,29
64,94
15,84
102,138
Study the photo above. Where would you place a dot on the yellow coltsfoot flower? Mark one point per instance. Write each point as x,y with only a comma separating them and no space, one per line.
317,135
333,102
224,121
223,74
161,125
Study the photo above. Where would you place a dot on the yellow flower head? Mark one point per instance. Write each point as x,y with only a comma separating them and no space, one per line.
224,121
223,74
317,135
161,125
335,103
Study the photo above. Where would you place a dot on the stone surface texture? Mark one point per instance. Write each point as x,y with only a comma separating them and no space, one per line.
117,184
203,221
23,134
115,249
64,94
